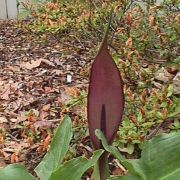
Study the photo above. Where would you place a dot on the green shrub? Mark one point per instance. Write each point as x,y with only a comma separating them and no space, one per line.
145,39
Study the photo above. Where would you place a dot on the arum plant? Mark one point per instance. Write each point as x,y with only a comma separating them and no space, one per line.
105,100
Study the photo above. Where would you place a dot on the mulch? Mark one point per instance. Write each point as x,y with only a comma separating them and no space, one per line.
39,74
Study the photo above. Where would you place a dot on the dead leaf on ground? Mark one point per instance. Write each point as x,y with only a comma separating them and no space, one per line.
117,171
43,124
72,91
36,63
47,62
32,64
48,90
46,107
57,72
129,42
5,94
14,158
3,119
2,163
47,142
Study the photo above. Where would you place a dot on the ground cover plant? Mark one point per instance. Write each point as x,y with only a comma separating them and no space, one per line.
144,44
148,167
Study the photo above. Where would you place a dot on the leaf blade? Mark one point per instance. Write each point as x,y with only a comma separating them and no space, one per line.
59,147
159,160
15,171
75,168
162,155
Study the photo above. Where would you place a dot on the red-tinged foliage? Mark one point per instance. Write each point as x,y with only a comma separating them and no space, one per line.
105,96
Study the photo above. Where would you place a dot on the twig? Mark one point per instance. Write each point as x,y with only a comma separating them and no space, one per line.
154,131
14,138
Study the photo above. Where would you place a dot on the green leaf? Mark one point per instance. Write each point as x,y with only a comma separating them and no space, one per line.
140,117
59,147
129,149
114,151
96,174
75,168
160,159
15,172
126,177
111,149
176,110
170,90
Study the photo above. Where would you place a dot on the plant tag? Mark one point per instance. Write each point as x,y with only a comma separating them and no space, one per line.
69,78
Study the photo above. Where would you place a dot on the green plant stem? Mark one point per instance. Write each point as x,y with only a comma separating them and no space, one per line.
101,169
103,166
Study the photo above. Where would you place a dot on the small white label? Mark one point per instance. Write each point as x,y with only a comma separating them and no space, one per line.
69,78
